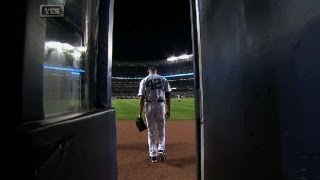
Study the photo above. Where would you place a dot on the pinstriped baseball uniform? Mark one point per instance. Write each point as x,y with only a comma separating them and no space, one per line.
153,88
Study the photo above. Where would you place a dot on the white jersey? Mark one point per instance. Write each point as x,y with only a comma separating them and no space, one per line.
154,87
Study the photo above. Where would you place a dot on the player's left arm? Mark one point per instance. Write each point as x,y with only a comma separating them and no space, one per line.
167,90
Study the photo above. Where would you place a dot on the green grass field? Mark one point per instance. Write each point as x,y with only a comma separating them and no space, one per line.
127,109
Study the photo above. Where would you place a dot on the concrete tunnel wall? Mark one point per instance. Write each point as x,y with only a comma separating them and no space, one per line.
261,88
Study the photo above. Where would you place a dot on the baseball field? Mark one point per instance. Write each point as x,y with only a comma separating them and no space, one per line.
127,109
132,145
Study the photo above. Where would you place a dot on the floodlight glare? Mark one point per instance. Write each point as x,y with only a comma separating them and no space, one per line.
172,58
184,56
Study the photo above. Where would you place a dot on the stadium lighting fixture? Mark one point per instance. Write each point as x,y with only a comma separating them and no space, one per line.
174,88
184,56
172,58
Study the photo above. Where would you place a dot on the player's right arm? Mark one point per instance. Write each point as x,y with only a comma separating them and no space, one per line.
141,95
141,105
168,102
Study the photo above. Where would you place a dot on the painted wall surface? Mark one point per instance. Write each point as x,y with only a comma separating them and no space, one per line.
261,74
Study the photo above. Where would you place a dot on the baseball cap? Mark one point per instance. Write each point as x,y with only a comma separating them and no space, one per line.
152,68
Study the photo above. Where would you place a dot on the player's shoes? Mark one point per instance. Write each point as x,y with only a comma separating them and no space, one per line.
153,159
161,155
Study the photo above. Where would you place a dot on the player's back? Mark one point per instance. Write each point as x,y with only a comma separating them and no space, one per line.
154,87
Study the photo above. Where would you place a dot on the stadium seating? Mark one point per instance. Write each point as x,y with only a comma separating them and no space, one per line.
132,70
127,76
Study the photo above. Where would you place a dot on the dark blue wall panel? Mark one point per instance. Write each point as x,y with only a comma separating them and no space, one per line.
261,74
82,148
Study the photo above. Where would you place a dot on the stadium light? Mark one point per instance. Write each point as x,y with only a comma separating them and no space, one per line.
184,56
172,58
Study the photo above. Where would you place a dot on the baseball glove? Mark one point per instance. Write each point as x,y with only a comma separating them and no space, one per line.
140,124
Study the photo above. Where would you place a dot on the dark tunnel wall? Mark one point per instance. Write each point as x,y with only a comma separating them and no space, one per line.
261,100
82,148
79,144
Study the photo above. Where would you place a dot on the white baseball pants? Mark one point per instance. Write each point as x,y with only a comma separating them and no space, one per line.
155,117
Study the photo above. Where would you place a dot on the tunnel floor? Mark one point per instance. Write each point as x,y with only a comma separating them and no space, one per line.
132,150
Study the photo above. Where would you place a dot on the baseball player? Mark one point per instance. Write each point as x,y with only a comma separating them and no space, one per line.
154,95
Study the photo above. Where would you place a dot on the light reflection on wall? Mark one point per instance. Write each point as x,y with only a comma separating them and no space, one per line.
64,55
64,78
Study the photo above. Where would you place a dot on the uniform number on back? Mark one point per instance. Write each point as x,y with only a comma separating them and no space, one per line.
155,84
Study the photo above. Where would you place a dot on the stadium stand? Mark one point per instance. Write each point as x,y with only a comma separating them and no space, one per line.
127,76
